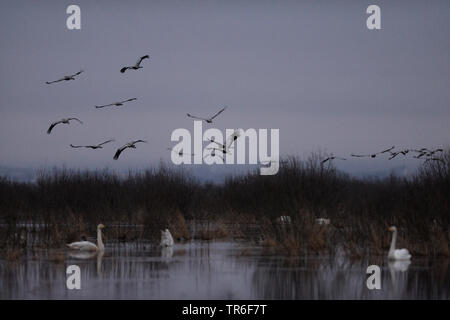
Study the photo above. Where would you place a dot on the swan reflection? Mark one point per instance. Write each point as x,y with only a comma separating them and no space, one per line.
166,252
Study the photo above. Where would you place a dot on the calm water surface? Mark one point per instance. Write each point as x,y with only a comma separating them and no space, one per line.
215,270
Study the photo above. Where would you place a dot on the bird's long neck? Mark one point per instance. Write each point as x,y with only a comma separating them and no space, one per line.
99,240
394,240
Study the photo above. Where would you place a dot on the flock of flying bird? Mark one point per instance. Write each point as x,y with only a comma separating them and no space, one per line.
222,148
424,153
132,144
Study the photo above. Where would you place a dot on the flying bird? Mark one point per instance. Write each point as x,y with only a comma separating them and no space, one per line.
180,153
224,151
136,66
373,155
131,144
95,146
230,140
432,152
65,121
387,150
213,154
207,120
65,78
426,152
332,158
422,152
222,147
396,153
117,104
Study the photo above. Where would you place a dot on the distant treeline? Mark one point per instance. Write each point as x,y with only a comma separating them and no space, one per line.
69,202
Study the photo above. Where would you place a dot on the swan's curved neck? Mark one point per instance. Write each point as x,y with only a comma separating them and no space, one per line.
394,240
100,244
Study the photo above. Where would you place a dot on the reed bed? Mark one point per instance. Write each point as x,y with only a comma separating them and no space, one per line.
65,204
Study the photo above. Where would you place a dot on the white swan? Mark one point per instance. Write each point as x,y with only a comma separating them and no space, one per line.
89,246
167,252
397,254
284,220
323,221
166,238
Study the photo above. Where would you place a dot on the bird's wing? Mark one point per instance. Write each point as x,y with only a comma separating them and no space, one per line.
387,150
233,138
52,126
218,143
82,245
402,254
220,111
195,117
421,155
132,99
77,146
435,151
134,142
119,151
105,105
50,82
393,155
76,119
107,141
325,160
79,72
124,69
138,63
360,155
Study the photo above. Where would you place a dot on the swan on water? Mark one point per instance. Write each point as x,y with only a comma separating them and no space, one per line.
397,254
166,238
87,245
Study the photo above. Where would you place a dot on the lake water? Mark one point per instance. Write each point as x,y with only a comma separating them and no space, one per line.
215,270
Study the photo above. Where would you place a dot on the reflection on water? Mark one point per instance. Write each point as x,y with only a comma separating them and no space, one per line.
215,270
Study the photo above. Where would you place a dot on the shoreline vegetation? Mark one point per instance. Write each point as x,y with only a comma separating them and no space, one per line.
64,205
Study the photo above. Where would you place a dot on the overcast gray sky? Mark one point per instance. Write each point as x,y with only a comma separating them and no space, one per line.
310,68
